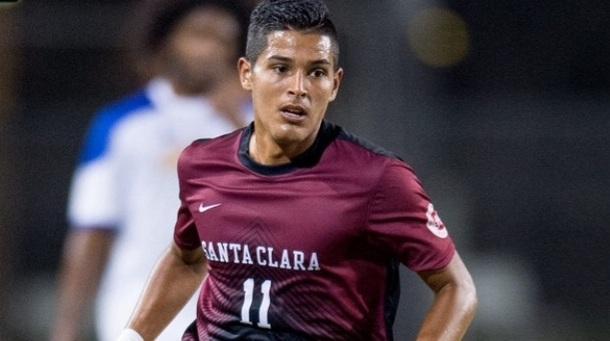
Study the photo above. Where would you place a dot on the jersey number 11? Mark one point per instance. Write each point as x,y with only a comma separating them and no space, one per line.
263,310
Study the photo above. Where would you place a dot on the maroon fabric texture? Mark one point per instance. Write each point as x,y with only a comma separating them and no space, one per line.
321,234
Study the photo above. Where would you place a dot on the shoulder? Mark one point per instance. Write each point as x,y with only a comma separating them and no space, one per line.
206,150
381,165
358,151
110,115
127,104
363,146
108,119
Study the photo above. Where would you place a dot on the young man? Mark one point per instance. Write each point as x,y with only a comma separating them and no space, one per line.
122,202
297,224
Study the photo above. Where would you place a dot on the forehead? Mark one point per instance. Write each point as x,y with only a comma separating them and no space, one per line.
293,44
210,20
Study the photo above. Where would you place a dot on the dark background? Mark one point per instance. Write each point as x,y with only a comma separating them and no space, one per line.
502,108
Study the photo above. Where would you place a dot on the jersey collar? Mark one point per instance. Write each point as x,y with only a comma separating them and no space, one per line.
308,159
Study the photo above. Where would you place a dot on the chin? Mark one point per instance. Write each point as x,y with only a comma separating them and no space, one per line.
290,133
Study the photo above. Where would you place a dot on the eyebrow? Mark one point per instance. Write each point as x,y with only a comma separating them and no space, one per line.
323,61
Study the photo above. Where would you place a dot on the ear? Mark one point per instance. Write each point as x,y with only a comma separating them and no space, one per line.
337,78
245,73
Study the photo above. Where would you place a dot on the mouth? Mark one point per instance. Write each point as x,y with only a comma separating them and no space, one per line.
293,113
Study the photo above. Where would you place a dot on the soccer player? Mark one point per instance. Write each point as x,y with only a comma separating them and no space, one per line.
298,225
122,203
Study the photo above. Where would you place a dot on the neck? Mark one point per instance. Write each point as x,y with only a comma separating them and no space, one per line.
266,151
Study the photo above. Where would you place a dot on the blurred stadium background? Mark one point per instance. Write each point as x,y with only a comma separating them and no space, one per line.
502,107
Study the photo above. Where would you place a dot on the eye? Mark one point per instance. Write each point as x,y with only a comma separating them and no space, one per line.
318,73
279,68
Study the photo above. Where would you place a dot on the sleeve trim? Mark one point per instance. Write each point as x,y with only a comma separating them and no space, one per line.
440,264
185,246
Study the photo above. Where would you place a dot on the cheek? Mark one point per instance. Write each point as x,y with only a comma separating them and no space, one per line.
323,93
262,98
266,90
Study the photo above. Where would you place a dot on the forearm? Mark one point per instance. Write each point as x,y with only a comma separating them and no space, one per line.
84,259
172,283
451,314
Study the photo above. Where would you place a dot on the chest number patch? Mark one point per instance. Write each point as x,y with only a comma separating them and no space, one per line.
263,309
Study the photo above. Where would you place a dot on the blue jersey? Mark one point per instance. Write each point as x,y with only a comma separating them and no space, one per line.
126,182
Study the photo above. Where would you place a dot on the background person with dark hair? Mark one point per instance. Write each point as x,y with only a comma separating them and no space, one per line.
123,195
296,225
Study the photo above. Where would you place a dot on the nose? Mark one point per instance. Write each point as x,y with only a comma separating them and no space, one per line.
297,85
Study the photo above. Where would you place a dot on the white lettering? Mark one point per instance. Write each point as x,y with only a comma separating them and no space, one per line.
285,260
259,258
299,257
246,259
235,247
205,252
313,263
211,252
223,252
272,262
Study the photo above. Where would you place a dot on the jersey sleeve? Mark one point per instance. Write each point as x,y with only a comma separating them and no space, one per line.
93,201
185,230
402,220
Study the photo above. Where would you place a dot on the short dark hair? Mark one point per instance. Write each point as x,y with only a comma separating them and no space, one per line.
310,16
158,18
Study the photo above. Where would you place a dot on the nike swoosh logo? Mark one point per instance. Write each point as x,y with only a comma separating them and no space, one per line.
205,208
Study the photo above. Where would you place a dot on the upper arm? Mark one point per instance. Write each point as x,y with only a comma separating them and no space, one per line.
454,274
94,198
188,256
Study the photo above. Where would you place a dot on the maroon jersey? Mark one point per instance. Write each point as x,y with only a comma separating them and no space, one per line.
307,250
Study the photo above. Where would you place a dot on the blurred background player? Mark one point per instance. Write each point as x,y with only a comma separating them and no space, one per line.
123,197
